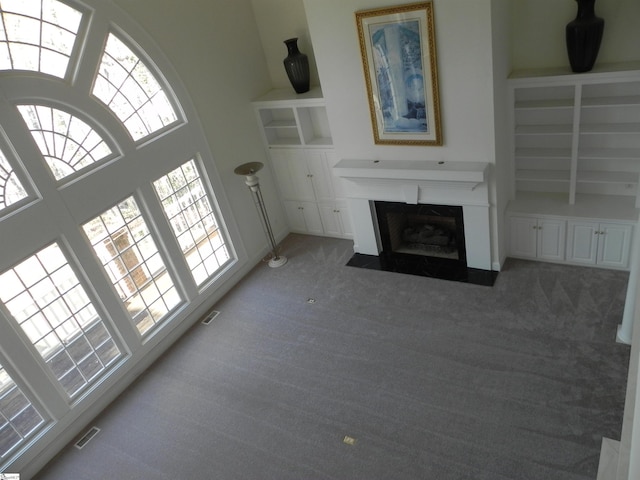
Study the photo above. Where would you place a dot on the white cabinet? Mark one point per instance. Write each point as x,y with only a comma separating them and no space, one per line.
580,241
335,219
599,243
304,217
540,238
308,188
577,134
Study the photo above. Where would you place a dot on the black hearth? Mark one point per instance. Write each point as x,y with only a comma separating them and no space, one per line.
424,240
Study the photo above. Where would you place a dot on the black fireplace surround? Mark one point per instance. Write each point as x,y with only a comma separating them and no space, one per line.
424,240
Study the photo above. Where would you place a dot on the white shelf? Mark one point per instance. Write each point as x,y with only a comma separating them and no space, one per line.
547,153
622,101
610,128
544,129
543,175
294,120
626,178
544,104
621,208
281,124
610,153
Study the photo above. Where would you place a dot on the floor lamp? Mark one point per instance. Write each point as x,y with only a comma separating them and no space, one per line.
249,170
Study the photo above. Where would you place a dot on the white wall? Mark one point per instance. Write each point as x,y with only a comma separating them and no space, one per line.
463,44
277,21
501,30
216,49
538,33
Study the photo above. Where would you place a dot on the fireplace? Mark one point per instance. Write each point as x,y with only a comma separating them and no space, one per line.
457,190
423,230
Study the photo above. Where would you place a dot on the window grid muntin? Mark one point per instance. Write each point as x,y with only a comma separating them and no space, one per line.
11,189
35,49
19,419
129,255
46,299
67,143
120,84
188,209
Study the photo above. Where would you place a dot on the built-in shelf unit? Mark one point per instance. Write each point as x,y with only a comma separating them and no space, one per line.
577,133
296,133
576,158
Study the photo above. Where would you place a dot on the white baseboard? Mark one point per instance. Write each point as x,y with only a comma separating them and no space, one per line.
609,454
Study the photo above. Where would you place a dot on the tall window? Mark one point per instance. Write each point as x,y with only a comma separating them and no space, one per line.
92,173
123,242
45,298
187,207
19,420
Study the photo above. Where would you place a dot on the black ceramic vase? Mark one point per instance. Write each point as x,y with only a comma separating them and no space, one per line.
583,37
297,66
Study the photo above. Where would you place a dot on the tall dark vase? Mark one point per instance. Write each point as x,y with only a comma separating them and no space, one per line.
297,66
584,35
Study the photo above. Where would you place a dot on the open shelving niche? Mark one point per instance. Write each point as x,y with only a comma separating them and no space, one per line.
293,121
576,142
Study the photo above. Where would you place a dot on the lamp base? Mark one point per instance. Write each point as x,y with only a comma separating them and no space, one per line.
277,261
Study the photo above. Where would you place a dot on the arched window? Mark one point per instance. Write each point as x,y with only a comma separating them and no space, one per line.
109,227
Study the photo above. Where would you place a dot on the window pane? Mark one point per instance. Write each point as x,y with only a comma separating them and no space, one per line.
124,245
11,190
44,296
18,418
131,91
67,143
37,35
188,209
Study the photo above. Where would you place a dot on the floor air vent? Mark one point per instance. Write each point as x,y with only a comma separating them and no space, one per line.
86,438
210,316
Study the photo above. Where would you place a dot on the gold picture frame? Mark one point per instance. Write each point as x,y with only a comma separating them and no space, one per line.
399,59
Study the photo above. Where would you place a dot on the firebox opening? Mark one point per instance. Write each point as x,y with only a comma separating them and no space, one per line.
426,230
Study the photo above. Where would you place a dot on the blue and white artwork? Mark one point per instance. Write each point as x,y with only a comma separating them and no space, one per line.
397,58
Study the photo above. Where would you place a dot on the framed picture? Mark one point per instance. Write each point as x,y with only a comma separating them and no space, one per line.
400,69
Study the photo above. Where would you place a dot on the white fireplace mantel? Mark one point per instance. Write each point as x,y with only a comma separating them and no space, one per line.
417,181
462,173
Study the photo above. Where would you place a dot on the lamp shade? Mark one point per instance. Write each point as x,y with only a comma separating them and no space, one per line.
247,169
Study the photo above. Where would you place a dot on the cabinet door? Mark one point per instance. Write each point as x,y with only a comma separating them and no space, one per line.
304,217
280,161
345,219
614,242
321,175
551,239
523,236
582,242
330,219
335,219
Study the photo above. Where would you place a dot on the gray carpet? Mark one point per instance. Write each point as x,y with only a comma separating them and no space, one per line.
433,379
